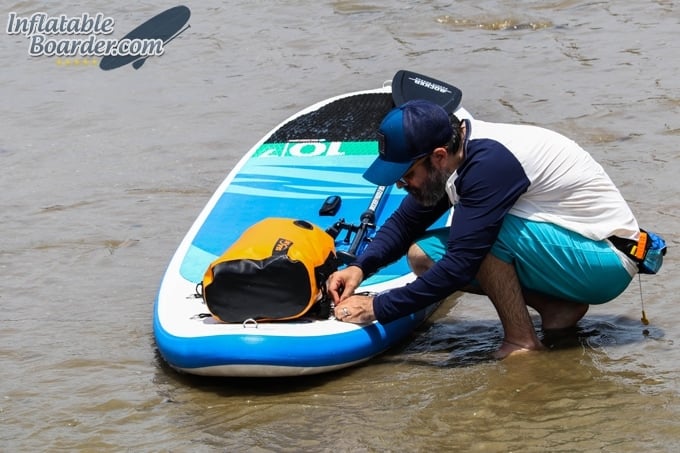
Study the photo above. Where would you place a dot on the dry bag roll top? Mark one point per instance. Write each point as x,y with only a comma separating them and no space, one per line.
275,271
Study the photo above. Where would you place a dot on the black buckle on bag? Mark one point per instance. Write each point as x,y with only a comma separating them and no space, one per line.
625,245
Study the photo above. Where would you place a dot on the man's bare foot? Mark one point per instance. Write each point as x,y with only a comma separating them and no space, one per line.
507,349
569,337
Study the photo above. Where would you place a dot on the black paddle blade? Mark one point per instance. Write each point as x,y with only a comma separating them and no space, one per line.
407,86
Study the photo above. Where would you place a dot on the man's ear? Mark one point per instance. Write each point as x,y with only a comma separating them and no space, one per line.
439,155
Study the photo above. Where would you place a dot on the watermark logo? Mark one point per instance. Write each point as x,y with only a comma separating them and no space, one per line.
87,37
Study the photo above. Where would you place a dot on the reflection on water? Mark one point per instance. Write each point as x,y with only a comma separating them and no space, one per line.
103,173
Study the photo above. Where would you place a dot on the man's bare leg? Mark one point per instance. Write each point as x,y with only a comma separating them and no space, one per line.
501,279
418,261
555,313
499,282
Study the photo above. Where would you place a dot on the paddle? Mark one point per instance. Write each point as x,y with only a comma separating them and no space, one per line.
408,85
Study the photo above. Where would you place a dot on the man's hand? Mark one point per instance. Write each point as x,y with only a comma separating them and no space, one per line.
356,309
341,284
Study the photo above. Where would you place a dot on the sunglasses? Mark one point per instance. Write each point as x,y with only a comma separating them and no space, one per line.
410,170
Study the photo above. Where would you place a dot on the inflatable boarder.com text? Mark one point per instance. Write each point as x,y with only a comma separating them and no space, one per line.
39,26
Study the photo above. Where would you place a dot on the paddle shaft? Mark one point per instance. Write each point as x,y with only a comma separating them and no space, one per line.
367,220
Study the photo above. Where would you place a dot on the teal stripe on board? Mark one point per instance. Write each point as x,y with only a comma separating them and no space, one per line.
313,148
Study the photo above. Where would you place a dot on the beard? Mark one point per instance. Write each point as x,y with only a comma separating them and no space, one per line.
432,189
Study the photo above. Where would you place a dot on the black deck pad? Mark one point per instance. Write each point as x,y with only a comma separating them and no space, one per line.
354,118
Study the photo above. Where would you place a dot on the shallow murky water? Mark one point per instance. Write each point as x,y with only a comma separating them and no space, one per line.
103,173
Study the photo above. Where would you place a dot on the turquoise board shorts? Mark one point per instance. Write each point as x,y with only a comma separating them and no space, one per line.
551,260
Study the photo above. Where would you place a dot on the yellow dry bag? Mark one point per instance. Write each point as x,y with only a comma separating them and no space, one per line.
275,271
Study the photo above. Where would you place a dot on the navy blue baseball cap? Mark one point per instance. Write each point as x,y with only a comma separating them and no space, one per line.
407,133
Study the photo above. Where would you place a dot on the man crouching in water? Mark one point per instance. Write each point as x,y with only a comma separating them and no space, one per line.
535,222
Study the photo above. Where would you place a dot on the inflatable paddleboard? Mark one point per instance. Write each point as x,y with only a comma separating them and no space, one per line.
318,153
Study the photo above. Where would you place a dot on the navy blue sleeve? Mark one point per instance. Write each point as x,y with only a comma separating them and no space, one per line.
489,182
392,241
